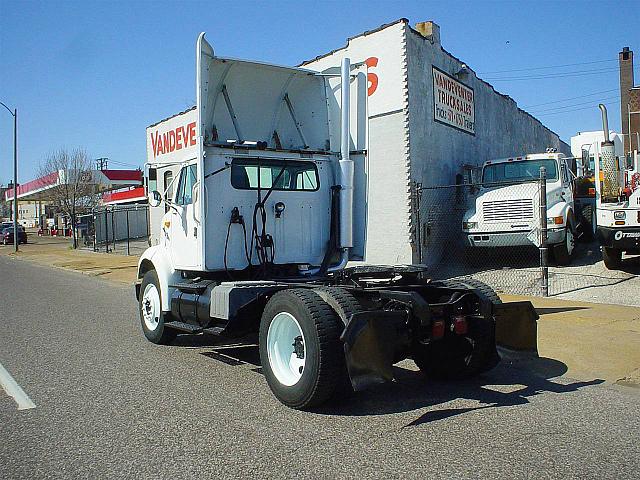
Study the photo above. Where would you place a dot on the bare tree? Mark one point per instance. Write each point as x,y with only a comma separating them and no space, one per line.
75,191
5,210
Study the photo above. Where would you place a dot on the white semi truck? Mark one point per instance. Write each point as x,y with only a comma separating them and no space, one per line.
506,210
257,199
617,202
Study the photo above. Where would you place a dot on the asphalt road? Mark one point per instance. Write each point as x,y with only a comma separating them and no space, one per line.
111,405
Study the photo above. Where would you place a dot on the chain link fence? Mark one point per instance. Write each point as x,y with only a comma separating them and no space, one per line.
503,235
120,229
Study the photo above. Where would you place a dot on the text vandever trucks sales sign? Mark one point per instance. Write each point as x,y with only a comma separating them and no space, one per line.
453,102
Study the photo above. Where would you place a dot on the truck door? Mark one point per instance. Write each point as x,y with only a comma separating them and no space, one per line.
183,237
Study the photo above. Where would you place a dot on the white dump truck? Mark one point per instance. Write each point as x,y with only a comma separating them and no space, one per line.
506,210
257,199
617,213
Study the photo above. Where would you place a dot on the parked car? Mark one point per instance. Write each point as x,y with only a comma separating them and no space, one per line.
6,235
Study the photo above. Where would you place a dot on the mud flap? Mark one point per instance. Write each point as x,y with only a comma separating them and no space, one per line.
516,326
372,340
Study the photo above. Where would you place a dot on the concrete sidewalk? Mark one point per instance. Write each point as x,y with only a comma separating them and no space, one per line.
57,252
593,340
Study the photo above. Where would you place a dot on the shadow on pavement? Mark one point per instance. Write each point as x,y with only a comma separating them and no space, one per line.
506,385
513,382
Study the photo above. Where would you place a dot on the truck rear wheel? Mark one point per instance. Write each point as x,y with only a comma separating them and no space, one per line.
457,357
152,317
344,304
462,356
300,349
612,257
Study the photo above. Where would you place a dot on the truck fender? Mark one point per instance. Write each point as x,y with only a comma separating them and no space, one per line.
564,209
157,258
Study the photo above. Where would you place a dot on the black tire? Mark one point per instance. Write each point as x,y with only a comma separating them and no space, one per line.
160,334
480,288
612,257
344,304
341,301
588,220
324,356
561,251
456,357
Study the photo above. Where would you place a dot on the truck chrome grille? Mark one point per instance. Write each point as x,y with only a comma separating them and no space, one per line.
507,210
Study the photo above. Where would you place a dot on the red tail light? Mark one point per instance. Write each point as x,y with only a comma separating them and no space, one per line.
437,329
460,326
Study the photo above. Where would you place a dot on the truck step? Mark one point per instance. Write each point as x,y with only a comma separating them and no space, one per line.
213,330
192,287
184,327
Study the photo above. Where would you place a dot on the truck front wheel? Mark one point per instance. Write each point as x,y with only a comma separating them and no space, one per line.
564,251
152,317
300,349
612,257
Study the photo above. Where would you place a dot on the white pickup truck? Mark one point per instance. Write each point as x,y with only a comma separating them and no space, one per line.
506,210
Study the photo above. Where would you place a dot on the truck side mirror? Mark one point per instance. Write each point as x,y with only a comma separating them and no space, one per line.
155,199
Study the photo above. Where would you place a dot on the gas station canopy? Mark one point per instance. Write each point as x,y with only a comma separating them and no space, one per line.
41,188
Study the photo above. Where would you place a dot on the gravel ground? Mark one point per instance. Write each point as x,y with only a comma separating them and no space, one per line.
111,405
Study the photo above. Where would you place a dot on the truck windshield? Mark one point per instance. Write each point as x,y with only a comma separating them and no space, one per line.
281,175
519,171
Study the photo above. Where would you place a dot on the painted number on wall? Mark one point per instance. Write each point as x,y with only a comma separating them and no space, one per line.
372,78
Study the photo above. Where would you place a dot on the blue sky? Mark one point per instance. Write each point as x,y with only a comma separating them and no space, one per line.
95,74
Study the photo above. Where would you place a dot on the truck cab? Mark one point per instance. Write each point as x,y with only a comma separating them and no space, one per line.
506,209
617,213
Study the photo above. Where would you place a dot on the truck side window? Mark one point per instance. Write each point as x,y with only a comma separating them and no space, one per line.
168,188
185,185
152,181
565,174
249,173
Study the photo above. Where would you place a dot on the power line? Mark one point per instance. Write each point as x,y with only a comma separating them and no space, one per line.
590,102
578,73
574,110
123,163
547,67
575,73
571,98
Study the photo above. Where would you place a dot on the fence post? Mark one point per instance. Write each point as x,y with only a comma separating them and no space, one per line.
95,232
113,228
128,246
106,229
544,250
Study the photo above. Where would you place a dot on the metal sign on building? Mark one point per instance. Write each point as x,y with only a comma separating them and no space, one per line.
453,102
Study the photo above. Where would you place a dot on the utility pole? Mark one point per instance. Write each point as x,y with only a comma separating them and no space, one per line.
15,174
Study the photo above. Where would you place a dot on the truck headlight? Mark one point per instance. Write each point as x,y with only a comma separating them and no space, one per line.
620,215
469,225
555,220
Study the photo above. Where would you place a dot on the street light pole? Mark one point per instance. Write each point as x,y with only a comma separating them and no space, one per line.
15,174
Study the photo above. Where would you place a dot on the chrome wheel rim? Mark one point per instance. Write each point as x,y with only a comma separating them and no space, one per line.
151,307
